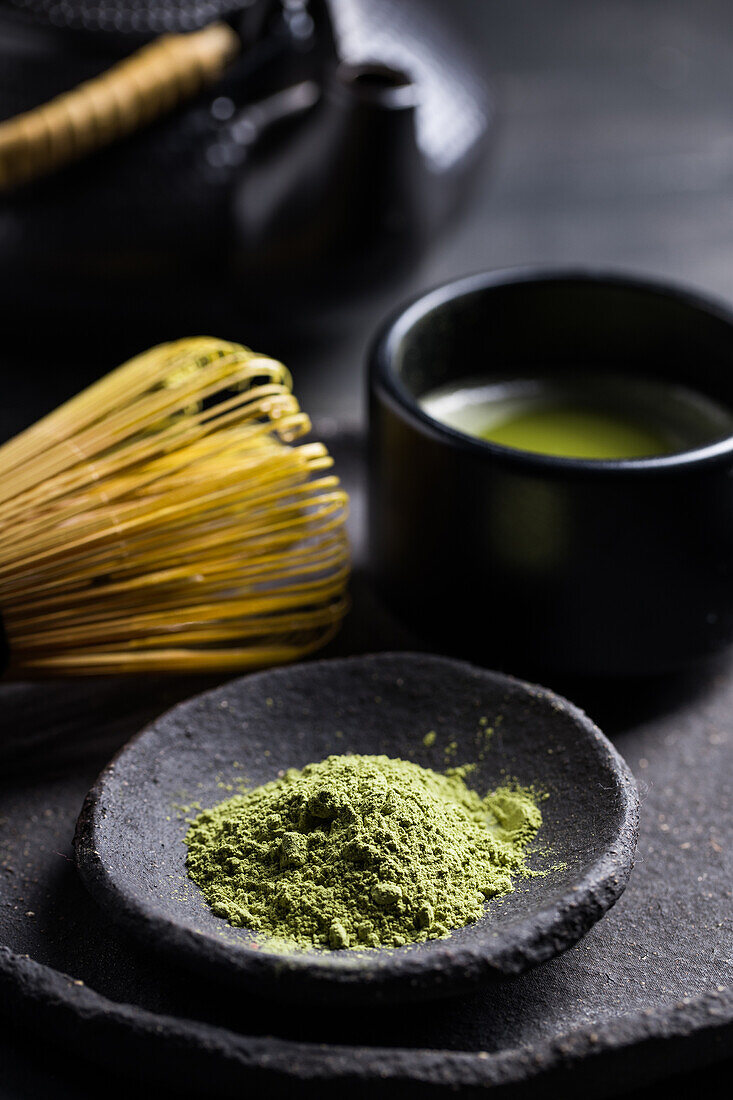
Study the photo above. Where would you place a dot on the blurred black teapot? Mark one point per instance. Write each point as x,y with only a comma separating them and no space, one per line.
312,173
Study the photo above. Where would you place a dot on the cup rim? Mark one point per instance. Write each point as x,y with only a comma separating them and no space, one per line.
394,329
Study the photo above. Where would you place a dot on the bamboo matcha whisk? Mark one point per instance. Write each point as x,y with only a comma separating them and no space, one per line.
168,518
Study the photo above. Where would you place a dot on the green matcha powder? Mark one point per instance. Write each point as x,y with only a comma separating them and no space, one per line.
360,851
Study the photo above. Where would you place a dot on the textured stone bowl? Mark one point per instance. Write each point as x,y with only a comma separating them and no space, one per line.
129,840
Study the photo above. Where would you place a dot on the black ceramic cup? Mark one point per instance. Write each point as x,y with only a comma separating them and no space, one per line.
534,562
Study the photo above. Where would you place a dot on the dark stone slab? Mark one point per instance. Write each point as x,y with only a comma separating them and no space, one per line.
645,994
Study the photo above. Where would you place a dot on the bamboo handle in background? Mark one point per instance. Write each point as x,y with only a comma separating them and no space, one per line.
101,110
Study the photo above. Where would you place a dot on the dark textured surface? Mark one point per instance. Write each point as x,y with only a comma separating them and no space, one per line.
658,966
615,147
129,840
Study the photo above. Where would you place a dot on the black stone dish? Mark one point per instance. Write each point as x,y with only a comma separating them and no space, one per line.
545,564
129,840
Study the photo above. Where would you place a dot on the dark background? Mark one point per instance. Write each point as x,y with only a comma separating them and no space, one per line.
614,146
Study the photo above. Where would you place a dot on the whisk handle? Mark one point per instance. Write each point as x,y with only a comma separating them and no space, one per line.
124,98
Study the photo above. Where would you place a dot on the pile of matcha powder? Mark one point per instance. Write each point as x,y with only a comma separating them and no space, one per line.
360,851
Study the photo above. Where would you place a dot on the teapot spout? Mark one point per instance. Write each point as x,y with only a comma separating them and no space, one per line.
347,209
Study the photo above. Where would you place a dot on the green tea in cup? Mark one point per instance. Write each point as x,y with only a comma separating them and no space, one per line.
582,416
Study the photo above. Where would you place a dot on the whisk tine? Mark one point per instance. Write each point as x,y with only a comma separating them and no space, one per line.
169,518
